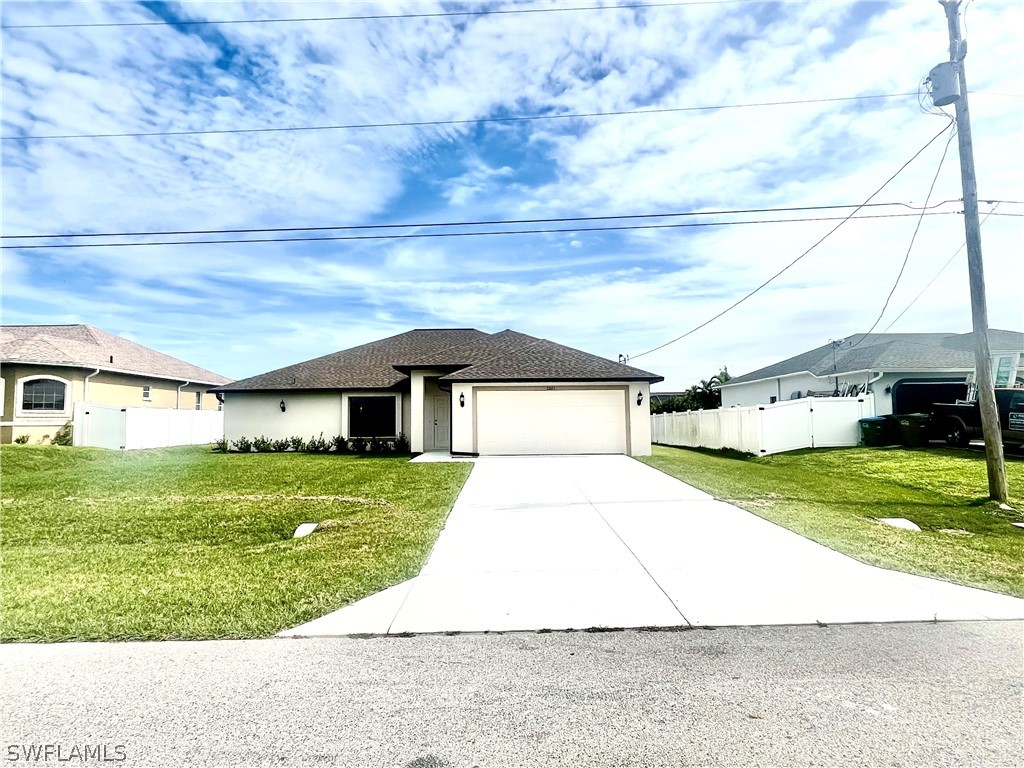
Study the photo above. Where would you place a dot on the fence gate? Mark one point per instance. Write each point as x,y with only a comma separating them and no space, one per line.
811,422
106,426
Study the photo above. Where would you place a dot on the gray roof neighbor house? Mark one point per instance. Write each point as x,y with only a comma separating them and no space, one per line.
888,352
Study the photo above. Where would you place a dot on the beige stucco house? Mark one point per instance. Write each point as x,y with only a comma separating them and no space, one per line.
46,369
456,390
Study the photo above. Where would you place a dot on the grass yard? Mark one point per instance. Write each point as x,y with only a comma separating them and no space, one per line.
186,543
831,496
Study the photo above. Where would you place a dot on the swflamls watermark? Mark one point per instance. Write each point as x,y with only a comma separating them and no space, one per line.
66,753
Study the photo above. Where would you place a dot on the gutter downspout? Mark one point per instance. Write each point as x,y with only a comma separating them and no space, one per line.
177,400
85,391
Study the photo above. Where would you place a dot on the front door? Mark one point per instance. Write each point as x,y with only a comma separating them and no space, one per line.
442,421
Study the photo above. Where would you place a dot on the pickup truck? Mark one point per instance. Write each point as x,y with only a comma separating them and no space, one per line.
961,422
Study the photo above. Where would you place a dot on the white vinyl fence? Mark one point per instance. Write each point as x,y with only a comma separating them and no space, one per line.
105,426
812,422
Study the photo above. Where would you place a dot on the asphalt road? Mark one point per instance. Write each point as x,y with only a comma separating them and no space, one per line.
897,694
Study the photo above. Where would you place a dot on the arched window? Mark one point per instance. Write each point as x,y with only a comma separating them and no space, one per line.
44,395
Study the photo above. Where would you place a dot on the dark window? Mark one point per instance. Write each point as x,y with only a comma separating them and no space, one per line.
199,401
43,395
371,417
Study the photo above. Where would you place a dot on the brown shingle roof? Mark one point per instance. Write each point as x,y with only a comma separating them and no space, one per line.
83,346
369,366
533,359
504,356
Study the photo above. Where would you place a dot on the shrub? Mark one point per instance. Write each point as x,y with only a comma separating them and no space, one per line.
401,443
318,444
21,439
242,445
278,446
376,445
340,444
63,436
262,444
297,443
221,445
358,445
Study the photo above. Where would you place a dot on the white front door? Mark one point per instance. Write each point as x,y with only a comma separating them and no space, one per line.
442,421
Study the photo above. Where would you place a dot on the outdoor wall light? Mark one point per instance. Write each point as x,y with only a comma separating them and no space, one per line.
639,398
283,407
462,400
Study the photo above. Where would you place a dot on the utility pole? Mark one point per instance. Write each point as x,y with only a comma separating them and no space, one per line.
997,487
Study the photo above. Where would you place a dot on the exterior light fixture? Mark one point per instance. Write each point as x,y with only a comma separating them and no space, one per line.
639,398
462,400
283,407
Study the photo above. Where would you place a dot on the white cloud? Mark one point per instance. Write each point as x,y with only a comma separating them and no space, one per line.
245,308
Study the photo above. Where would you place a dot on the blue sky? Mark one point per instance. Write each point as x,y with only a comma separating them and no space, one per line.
245,308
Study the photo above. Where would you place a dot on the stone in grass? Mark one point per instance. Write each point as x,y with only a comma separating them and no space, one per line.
304,529
899,522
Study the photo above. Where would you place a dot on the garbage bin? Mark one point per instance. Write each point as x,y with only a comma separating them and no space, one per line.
892,428
914,429
874,432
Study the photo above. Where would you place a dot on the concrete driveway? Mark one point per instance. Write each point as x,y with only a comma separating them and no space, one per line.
605,541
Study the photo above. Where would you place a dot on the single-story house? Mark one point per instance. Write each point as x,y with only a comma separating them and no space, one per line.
46,369
453,389
907,372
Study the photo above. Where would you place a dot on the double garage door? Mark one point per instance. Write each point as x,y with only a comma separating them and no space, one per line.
546,421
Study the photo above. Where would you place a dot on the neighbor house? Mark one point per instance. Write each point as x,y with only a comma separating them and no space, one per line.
453,389
907,372
46,369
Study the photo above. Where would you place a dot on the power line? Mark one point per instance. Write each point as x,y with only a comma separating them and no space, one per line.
420,235
462,121
490,222
801,256
936,276
375,17
910,247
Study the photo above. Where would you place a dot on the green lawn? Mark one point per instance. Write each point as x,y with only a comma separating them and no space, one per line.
186,543
831,496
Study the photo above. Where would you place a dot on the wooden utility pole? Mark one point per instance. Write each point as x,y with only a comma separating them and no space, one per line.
997,487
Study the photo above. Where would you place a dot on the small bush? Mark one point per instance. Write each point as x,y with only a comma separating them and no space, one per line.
63,436
279,446
221,445
376,445
401,443
358,445
297,443
262,444
242,445
339,444
318,444
21,439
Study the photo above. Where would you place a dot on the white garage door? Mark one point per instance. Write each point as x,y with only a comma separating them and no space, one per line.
550,421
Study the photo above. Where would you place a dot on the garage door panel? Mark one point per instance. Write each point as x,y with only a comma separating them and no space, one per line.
550,421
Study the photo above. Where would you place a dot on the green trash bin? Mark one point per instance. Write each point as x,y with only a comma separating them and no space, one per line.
874,431
913,429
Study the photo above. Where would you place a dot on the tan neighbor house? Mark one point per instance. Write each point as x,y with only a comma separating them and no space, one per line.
46,369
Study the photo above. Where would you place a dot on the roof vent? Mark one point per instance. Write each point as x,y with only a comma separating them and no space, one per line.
111,358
